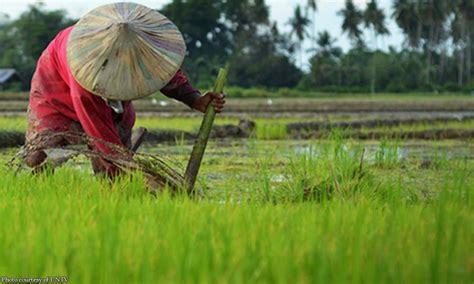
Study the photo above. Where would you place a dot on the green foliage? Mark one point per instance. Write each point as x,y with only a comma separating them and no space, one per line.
273,71
436,56
23,40
205,34
395,71
227,32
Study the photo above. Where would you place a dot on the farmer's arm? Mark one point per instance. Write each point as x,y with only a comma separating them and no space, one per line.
180,89
95,117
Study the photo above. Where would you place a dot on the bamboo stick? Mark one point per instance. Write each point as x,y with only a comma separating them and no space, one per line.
194,164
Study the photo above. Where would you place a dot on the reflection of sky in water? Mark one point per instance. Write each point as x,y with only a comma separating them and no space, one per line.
402,151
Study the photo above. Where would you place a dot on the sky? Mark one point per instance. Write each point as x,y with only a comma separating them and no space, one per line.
280,11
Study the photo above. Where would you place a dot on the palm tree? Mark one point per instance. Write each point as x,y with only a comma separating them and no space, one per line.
458,31
464,11
374,18
351,22
325,64
312,6
423,22
468,11
326,44
433,14
405,14
299,23
462,37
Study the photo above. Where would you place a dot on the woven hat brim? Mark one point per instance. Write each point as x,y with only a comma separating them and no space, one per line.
124,51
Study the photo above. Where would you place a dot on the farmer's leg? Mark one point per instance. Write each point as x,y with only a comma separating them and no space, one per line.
36,157
52,131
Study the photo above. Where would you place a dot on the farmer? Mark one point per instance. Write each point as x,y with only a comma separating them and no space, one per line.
87,77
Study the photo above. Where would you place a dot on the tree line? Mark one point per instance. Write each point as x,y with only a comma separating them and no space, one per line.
435,56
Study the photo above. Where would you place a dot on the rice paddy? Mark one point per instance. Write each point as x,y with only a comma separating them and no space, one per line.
272,208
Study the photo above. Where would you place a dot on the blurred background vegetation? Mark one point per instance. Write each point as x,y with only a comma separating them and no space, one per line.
436,55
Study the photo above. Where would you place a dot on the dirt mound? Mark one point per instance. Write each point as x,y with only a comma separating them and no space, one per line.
243,130
161,136
11,139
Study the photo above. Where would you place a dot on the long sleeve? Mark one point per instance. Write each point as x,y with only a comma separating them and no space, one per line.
96,119
181,90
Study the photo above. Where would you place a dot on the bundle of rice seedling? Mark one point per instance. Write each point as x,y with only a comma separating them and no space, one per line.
160,172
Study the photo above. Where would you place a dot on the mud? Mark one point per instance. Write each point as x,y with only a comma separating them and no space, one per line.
11,139
242,130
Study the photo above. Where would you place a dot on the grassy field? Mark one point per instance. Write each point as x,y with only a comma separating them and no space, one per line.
281,211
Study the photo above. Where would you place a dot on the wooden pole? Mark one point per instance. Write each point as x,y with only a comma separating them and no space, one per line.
194,164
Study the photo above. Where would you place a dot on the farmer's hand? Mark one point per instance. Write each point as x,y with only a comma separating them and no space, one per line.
218,101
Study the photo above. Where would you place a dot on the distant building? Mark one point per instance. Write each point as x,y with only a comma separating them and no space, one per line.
8,76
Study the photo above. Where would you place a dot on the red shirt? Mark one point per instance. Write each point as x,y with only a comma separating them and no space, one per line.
57,98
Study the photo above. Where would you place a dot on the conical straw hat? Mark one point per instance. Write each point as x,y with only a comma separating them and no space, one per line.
124,51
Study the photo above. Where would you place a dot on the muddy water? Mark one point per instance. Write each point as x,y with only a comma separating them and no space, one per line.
247,150
409,151
226,158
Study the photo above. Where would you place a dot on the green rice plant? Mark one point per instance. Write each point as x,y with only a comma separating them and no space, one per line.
326,171
263,189
15,123
357,223
389,154
91,230
438,160
271,131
